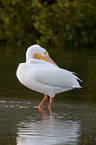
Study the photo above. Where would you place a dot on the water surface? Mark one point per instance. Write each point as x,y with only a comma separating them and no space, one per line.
66,123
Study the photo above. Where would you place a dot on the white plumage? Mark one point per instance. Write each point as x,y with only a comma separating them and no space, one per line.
41,74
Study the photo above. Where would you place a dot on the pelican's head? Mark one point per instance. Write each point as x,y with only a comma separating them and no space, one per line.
37,52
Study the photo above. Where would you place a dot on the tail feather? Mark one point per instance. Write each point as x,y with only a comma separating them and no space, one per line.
77,78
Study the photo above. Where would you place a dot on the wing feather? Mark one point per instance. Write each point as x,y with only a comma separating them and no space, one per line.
56,77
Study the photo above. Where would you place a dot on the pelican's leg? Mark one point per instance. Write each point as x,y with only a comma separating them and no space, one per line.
50,103
45,99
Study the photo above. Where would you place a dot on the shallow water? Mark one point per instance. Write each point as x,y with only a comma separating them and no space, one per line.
22,123
72,119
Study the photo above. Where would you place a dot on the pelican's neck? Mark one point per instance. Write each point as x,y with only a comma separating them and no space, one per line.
38,61
33,60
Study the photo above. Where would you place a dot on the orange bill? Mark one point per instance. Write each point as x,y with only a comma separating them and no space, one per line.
46,58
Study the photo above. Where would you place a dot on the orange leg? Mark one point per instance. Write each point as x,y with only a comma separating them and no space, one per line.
50,103
41,104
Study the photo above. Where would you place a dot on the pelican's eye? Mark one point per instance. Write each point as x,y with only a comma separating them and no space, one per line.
45,53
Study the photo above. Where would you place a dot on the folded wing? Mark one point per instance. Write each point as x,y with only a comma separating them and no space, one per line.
56,77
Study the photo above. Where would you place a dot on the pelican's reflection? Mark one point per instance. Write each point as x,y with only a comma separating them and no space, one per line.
45,113
47,128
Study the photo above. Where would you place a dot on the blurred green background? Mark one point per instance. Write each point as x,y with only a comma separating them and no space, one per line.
50,23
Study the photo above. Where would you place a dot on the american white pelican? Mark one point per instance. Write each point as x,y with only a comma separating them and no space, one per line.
40,73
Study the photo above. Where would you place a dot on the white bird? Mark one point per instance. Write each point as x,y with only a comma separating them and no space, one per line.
40,73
